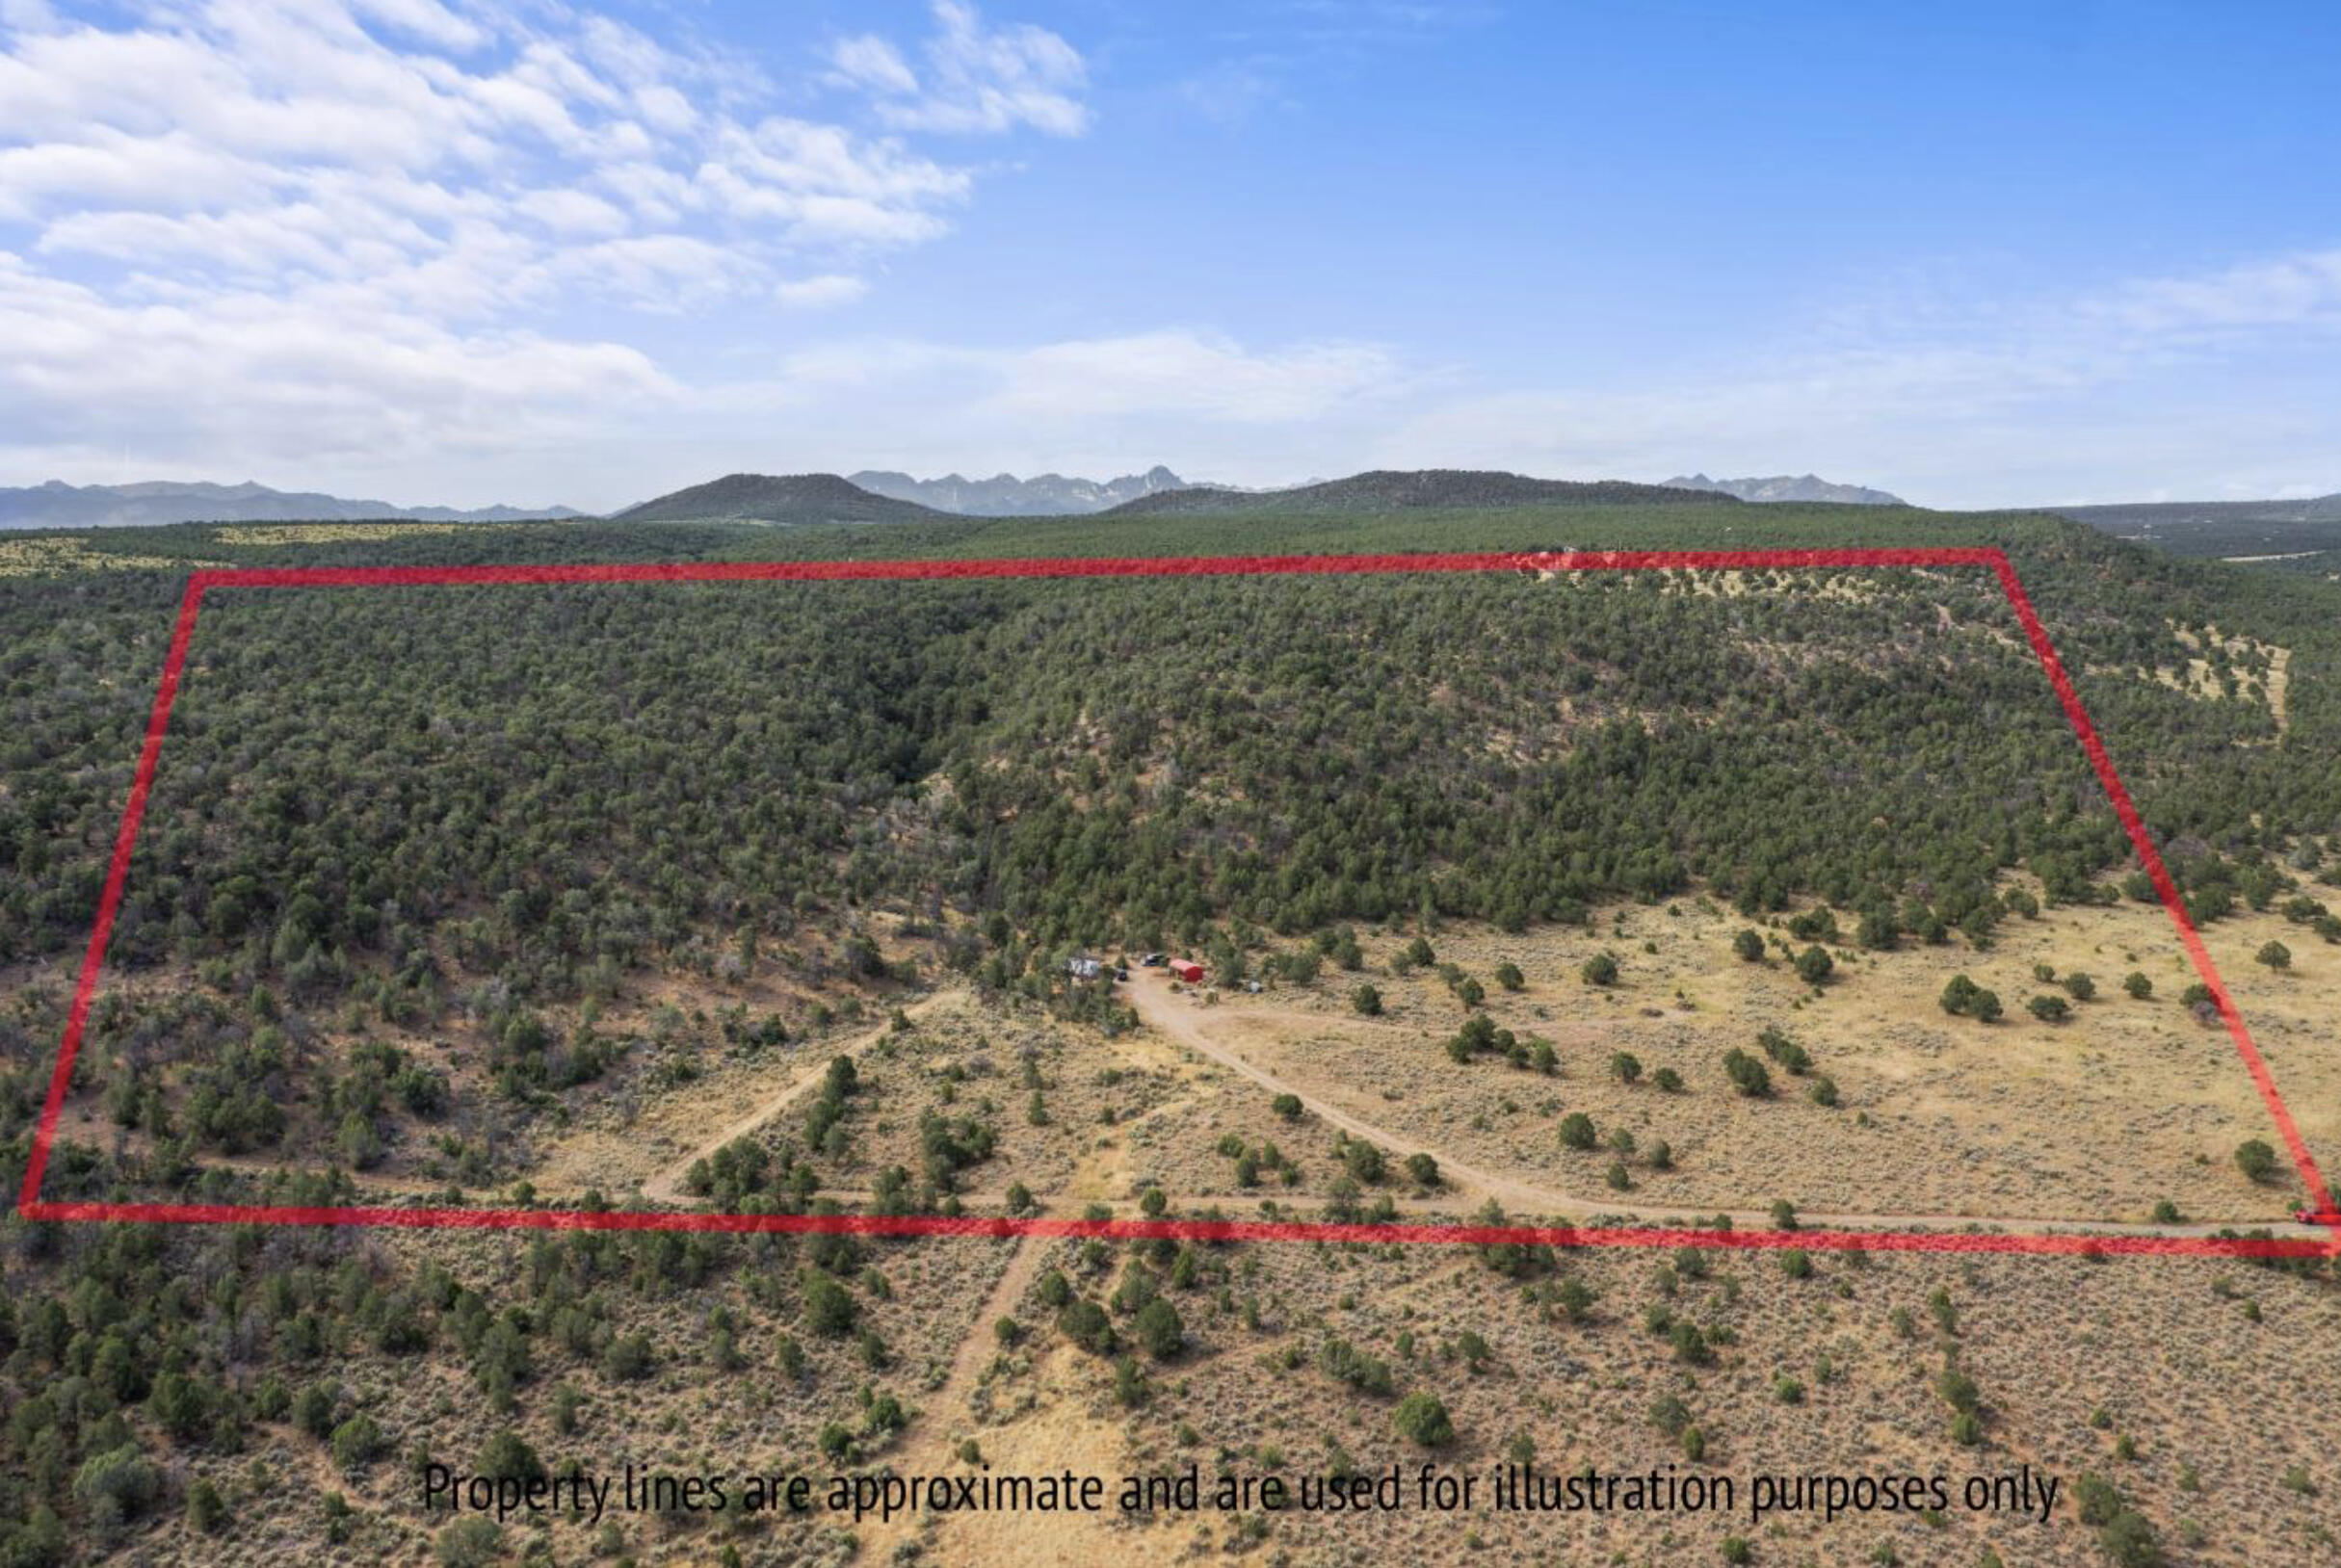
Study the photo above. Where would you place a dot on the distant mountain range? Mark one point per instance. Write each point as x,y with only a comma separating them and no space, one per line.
58,505
1003,495
777,498
1386,489
1790,487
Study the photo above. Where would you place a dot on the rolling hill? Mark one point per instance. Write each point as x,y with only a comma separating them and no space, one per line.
782,498
1382,491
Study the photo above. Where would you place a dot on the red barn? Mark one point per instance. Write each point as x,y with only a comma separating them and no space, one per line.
1188,970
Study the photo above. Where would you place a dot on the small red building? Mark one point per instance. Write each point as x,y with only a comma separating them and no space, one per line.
1188,970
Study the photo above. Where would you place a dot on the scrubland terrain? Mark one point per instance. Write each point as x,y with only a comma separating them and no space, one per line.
457,903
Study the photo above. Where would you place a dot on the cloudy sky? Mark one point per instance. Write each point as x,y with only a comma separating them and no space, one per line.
525,250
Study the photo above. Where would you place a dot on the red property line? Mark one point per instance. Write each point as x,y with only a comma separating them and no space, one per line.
32,1206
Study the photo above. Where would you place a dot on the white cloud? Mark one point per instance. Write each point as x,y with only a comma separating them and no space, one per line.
2299,291
977,79
1185,373
247,373
873,63
820,293
1995,402
571,211
1174,373
316,208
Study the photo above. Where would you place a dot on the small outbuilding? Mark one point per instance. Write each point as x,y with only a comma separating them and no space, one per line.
1188,970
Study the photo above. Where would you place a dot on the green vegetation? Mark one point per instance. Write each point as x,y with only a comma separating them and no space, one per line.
484,813
1421,1418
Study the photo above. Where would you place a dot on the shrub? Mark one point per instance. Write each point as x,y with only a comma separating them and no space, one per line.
1130,1388
1084,1322
117,1486
1962,998
2080,988
628,1357
1345,1362
1786,1051
1287,1105
1366,1001
1507,974
508,1456
1423,1170
2137,985
2274,955
469,1543
1601,969
1824,1091
1814,966
2128,1539
1747,1074
2049,1010
356,1442
2256,1159
1749,945
1423,1421
1625,1068
1577,1131
1158,1328
828,1307
1667,1080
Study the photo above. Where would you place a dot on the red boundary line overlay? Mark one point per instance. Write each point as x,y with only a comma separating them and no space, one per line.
30,1206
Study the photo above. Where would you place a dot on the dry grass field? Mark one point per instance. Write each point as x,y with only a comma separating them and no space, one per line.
2126,1103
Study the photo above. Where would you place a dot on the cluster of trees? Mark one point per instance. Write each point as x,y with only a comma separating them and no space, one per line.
126,1351
546,783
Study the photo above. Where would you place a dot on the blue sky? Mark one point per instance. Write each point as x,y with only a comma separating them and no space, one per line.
436,251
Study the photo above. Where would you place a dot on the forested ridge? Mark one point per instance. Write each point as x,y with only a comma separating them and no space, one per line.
400,791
